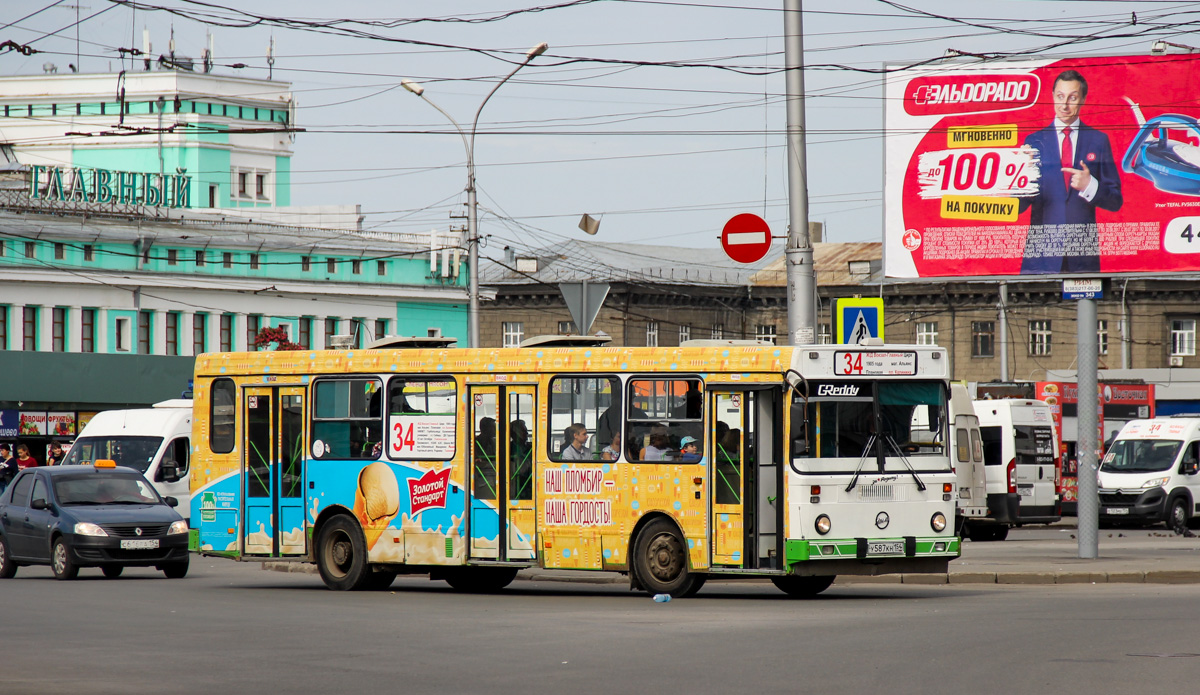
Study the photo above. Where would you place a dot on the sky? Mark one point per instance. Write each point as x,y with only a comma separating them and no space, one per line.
661,118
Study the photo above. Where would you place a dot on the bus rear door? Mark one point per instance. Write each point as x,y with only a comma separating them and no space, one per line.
501,522
273,471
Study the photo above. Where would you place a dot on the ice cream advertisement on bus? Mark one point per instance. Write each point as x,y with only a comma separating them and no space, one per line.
1083,165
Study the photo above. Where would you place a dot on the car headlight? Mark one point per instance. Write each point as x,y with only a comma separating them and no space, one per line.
178,527
84,528
938,522
1155,482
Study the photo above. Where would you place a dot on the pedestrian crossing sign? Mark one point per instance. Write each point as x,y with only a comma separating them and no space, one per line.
855,319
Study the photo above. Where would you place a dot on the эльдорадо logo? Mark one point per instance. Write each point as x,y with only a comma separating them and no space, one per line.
958,94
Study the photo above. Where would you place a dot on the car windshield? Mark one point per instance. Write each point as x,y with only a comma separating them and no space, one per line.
1140,456
104,488
131,452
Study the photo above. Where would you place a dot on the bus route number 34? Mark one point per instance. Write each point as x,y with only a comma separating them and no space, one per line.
851,363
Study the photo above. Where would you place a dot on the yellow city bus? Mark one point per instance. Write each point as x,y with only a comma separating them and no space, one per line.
673,465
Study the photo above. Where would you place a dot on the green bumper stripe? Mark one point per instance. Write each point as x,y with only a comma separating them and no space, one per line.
798,550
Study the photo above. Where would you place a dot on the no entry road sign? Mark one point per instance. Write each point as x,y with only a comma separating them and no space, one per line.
746,238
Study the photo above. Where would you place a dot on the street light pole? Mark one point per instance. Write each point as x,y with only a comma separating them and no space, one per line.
472,203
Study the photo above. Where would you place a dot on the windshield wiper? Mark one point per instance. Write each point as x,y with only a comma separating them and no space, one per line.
858,469
912,471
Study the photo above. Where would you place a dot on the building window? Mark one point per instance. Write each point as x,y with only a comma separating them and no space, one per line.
824,334
381,268
254,261
305,263
356,267
305,331
567,328
88,253
227,259
200,258
358,330
1183,337
514,333
652,334
60,251
30,249
331,265
253,326
226,332
260,186
3,244
60,330
172,333
212,195
172,256
30,328
331,327
765,334
88,330
1039,337
381,328
144,334
121,334
1102,336
927,333
241,185
718,331
199,333
685,334
4,327
983,338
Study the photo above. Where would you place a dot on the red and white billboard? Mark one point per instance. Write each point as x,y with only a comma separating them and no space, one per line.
1079,166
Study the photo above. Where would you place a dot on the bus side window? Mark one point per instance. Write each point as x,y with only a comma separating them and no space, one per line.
963,442
221,417
344,421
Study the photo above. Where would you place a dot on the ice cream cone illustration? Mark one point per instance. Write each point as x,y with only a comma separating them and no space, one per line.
376,500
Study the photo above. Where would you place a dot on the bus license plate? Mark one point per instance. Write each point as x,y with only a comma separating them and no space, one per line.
148,544
1117,511
885,548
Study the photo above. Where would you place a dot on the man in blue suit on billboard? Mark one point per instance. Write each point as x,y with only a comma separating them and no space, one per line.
1062,227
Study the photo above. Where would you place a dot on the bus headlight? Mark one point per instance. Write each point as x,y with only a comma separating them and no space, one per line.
823,524
938,522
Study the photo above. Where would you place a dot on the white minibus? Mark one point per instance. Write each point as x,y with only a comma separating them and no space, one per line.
1151,473
1018,437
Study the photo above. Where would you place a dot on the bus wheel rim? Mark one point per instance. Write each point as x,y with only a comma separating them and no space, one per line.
666,557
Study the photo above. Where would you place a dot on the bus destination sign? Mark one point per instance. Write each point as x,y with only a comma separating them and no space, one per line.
871,363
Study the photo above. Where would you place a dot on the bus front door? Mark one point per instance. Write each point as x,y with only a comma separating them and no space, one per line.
746,478
273,471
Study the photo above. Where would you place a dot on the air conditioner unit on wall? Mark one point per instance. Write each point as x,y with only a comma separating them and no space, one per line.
1176,360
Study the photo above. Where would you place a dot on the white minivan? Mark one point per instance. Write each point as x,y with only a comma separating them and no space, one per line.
155,441
976,518
1151,473
1018,437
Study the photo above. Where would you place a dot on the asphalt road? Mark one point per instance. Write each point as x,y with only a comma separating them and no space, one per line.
232,628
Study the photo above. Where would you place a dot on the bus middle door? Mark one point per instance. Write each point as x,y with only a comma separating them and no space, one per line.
273,471
729,511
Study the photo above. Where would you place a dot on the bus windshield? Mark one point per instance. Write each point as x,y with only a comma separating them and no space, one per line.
133,452
853,420
1140,456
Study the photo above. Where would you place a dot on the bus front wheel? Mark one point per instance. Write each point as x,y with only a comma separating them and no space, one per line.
802,587
342,555
661,561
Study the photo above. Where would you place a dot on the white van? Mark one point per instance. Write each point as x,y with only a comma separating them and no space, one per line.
1019,438
155,441
1151,473
975,517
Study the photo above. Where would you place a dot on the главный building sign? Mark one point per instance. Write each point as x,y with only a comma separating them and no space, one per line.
83,185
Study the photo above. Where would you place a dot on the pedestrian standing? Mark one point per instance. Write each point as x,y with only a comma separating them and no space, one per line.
56,454
24,459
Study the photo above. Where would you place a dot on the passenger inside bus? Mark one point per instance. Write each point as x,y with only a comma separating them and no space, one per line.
484,481
520,460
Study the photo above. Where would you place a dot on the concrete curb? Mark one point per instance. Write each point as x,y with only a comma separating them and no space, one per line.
1071,577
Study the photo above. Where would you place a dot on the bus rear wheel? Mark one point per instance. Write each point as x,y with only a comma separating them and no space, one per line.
661,561
342,555
480,580
802,587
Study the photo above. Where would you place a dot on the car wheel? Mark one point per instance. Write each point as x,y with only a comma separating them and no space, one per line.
661,561
1177,518
802,587
60,561
176,570
342,555
112,571
8,568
